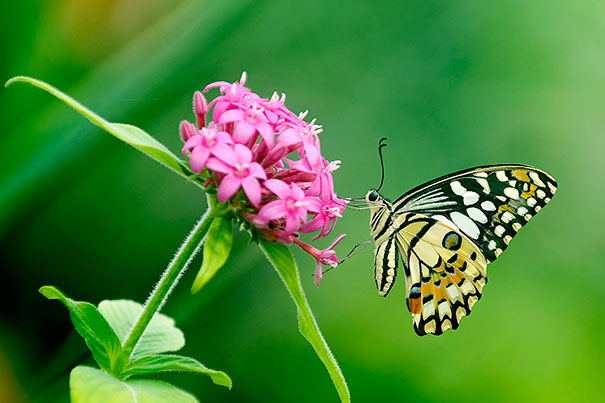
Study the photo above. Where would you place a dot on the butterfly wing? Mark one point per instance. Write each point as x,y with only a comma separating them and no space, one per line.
445,272
386,257
487,204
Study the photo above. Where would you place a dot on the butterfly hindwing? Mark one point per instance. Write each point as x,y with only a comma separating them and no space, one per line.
445,272
488,204
386,258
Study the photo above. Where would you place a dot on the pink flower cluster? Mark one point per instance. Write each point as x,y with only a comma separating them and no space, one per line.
266,161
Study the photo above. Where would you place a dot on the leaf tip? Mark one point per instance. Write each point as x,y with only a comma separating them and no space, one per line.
24,79
222,379
51,292
198,283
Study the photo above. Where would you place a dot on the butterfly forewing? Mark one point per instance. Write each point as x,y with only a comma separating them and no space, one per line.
488,204
447,231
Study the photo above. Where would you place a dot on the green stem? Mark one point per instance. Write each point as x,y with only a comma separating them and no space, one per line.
170,277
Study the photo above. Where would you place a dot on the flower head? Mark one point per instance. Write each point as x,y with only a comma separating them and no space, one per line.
242,154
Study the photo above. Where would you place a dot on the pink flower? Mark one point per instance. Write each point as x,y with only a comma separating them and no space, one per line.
247,123
246,146
209,141
326,256
240,171
292,205
330,210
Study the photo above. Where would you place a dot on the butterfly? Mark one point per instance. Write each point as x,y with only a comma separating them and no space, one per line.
447,231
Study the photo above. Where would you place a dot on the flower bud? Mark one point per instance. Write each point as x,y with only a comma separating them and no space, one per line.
187,130
200,108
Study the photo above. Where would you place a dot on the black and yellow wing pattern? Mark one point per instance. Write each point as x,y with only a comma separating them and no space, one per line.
446,232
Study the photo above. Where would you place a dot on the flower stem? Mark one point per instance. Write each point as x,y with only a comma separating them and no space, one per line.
170,277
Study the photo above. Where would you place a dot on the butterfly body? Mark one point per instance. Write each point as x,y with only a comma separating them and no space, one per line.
446,232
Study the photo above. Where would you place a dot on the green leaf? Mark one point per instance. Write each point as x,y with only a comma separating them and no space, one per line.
129,134
160,336
165,362
90,385
281,258
216,250
101,339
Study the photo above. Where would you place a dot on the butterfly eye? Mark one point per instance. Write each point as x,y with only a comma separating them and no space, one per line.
373,196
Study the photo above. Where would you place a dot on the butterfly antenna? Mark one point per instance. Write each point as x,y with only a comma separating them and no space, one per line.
381,144
353,251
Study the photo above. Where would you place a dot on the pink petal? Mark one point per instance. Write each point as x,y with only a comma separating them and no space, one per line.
318,273
243,155
252,189
312,153
224,153
257,171
266,132
233,115
191,143
336,241
314,204
220,107
292,223
242,132
313,225
228,187
296,192
289,137
272,211
224,137
278,187
198,158
271,116
216,84
218,166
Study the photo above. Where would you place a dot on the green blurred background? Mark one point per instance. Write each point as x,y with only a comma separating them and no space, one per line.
451,84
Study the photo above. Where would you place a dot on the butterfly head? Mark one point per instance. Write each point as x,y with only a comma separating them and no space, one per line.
374,199
372,196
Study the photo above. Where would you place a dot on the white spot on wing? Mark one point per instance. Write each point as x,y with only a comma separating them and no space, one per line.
536,178
445,220
499,230
470,198
457,188
476,215
540,193
501,175
452,292
522,210
481,174
511,192
428,308
491,245
507,216
484,184
552,188
531,202
465,224
488,206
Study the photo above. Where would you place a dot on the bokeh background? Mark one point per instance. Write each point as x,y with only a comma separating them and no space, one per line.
451,84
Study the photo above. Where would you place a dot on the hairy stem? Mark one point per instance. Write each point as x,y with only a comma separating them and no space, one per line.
171,275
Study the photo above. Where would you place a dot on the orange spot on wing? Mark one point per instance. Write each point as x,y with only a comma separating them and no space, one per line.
521,175
415,305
